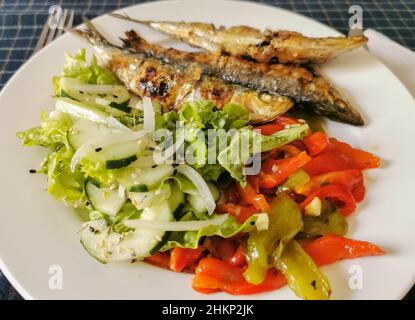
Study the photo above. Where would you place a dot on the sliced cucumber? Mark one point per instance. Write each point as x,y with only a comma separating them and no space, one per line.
186,185
198,202
108,246
112,98
149,177
147,199
215,191
117,155
105,200
84,130
175,203
176,197
81,110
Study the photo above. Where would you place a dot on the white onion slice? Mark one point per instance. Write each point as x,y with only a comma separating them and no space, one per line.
149,120
262,221
103,141
176,226
200,185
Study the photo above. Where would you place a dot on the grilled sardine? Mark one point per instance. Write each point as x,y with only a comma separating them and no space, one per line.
269,46
172,84
304,86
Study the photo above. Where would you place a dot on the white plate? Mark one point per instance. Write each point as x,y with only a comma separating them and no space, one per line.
37,233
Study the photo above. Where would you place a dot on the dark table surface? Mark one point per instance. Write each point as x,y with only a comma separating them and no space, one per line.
21,22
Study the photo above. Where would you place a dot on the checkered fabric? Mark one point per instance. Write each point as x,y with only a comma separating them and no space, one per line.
22,21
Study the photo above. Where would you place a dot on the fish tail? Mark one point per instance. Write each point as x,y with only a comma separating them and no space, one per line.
125,16
91,34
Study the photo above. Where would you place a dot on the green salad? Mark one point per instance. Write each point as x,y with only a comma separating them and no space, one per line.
102,144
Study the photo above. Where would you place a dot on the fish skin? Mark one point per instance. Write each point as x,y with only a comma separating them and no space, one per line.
304,86
269,46
171,84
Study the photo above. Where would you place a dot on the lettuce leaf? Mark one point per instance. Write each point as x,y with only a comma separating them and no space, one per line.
200,112
233,158
63,184
77,67
51,132
232,116
190,239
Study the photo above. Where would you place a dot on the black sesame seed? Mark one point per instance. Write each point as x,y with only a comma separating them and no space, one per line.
313,284
91,229
87,203
32,171
133,260
115,96
81,92
98,149
153,166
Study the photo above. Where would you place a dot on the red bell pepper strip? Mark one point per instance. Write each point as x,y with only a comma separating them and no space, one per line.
331,248
274,172
352,180
250,196
277,125
340,196
241,213
270,128
362,159
238,258
182,258
283,152
159,259
214,274
316,143
328,162
254,182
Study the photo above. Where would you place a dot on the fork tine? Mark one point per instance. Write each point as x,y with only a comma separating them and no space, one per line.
51,35
41,42
62,23
70,20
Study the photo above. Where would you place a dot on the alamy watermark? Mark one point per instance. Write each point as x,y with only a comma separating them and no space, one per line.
198,147
55,277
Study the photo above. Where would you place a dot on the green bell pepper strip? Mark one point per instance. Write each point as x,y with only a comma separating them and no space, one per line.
298,178
285,221
302,274
331,222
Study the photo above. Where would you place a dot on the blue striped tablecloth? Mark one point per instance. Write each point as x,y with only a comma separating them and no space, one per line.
21,22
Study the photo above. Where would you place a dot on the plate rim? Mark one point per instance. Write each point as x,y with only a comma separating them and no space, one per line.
3,267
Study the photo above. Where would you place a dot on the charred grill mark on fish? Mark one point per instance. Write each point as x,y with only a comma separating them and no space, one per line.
171,84
302,85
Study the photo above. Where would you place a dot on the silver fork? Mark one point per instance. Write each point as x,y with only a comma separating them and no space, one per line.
49,34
